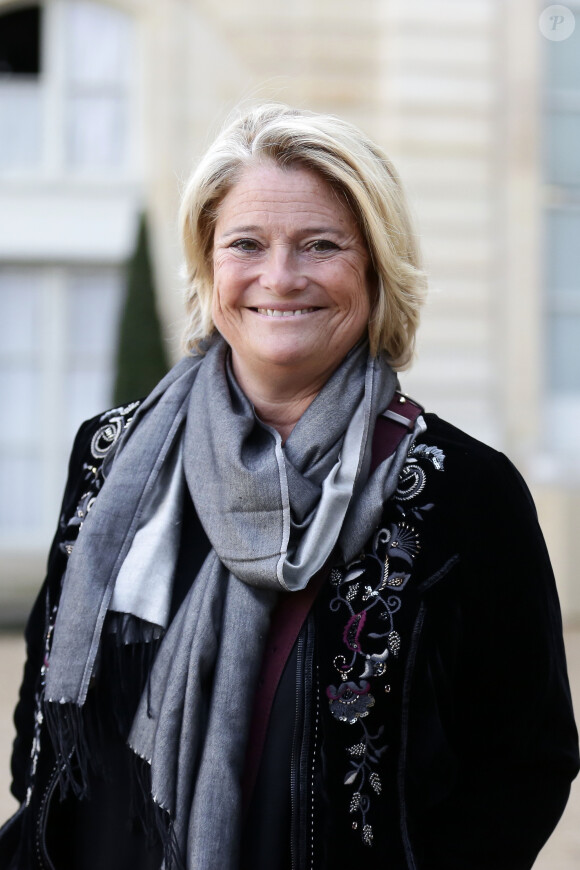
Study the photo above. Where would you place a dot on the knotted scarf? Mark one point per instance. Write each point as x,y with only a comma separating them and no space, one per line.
273,514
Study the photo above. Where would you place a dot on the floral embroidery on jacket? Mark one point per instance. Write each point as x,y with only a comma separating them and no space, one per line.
113,423
369,592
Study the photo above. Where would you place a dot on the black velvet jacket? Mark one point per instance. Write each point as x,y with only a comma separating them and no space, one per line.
431,720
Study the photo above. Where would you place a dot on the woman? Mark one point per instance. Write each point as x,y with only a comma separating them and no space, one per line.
315,625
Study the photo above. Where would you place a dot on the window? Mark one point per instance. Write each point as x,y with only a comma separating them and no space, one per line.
98,52
66,80
20,88
561,154
20,42
58,330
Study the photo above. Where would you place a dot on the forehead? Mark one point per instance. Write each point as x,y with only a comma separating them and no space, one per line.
296,191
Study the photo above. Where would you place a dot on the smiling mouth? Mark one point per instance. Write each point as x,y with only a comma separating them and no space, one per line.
277,312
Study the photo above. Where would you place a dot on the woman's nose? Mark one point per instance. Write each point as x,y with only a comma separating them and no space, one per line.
282,271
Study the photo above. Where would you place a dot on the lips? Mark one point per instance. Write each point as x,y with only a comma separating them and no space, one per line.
277,312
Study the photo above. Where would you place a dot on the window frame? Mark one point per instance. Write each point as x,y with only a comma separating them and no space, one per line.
54,166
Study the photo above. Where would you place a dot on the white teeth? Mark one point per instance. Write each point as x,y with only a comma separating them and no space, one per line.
275,312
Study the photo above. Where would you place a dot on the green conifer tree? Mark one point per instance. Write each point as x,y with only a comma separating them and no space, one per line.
141,355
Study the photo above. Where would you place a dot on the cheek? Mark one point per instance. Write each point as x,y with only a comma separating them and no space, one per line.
357,291
224,287
220,304
230,278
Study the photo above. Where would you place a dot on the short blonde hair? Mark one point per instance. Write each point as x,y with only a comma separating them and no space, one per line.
356,168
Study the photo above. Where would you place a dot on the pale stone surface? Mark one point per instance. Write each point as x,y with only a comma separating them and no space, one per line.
11,664
450,89
562,852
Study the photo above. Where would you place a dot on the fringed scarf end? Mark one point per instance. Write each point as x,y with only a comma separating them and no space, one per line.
155,820
66,725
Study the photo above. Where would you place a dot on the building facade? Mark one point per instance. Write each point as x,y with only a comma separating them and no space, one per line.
104,108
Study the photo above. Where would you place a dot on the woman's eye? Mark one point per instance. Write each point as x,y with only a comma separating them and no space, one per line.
320,246
248,245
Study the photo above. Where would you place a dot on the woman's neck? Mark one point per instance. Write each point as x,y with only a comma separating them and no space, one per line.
279,397
281,416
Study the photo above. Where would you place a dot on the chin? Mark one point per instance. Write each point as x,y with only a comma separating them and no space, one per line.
286,359
276,351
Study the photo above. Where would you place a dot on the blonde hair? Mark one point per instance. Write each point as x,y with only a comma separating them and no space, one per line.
356,168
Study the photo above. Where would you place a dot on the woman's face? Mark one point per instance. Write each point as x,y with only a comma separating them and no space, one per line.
290,273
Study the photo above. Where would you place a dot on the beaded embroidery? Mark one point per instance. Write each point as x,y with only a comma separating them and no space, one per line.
369,593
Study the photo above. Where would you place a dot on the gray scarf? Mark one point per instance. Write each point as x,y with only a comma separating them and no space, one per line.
273,516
